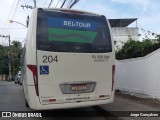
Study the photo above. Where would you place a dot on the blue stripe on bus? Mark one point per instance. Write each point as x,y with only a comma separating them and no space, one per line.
72,24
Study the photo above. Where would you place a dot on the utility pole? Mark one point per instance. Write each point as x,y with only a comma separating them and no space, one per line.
34,3
27,6
9,55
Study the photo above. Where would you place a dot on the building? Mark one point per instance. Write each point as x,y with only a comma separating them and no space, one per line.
121,31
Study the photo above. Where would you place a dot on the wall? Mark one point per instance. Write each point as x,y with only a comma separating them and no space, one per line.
121,35
139,75
3,77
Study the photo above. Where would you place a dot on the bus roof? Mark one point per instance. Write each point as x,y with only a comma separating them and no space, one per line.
71,11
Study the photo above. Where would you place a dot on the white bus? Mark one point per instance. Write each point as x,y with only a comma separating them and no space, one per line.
68,60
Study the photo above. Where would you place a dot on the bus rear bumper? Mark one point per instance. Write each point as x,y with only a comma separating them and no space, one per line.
34,102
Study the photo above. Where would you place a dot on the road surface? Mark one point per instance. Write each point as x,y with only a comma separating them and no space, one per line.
12,99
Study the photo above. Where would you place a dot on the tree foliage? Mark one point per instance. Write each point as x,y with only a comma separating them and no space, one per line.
15,51
3,60
134,49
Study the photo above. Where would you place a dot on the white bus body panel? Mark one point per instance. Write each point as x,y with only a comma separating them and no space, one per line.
30,57
73,67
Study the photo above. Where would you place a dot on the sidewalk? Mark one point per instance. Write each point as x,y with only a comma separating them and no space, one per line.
132,104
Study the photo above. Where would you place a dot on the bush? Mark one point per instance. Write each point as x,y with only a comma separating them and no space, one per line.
134,49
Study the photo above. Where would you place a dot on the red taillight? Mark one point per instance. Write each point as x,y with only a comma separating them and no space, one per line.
33,69
52,100
102,96
113,75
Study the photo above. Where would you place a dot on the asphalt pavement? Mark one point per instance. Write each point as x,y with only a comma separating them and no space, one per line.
127,105
12,99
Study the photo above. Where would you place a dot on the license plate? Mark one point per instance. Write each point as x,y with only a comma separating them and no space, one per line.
78,87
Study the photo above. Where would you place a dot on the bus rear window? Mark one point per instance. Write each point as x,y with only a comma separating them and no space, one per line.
65,32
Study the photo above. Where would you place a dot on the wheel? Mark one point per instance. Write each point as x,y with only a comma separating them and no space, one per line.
27,104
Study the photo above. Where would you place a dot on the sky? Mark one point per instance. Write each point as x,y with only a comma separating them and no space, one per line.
147,12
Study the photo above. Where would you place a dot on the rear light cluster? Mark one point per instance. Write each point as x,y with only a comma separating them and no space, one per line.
33,69
52,100
49,100
102,96
113,76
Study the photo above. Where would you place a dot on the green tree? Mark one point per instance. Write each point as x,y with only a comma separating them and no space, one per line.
16,49
3,60
133,49
158,39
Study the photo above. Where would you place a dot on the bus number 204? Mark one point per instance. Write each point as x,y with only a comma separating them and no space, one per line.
49,59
